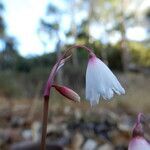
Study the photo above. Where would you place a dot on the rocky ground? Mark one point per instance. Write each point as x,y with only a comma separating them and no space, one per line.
71,126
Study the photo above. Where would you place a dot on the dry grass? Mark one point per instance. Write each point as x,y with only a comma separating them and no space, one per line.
136,99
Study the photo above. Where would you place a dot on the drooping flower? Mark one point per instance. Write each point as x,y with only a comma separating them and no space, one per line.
138,142
100,81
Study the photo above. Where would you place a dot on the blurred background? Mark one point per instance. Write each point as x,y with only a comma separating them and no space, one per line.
33,34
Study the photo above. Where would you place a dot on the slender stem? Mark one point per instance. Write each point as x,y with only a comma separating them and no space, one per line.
81,46
44,125
54,69
139,117
48,88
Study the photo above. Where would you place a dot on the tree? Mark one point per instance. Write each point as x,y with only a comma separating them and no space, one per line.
9,55
2,23
112,12
52,29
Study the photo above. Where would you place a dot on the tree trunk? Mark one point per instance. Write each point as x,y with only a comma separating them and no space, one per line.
74,31
58,51
124,46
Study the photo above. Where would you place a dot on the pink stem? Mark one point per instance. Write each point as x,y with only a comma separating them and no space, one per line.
54,70
139,117
81,46
45,120
48,89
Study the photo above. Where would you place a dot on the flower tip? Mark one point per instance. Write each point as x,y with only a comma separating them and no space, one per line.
94,103
78,98
123,91
68,93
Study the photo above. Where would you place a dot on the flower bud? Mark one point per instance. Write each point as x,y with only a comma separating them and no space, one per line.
67,92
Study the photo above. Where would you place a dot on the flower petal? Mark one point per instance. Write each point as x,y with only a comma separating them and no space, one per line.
100,81
139,143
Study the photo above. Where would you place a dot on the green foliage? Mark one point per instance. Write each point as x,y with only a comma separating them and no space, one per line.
23,76
2,22
8,59
22,65
28,64
140,54
9,85
114,57
2,27
20,76
31,80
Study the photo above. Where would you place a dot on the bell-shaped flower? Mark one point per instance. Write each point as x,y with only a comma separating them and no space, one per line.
100,81
138,142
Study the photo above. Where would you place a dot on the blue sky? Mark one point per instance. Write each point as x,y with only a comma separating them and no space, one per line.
22,20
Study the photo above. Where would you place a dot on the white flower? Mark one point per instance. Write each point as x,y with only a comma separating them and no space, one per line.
100,81
139,143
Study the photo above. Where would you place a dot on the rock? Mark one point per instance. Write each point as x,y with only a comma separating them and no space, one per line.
58,134
78,114
67,110
106,147
36,127
34,146
90,144
10,135
119,138
65,139
100,127
27,134
102,130
17,122
125,123
56,127
121,147
124,127
77,141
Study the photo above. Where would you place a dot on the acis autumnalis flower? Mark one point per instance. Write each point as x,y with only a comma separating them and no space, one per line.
100,81
138,142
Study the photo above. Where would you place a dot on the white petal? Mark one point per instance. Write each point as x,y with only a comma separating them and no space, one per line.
139,143
100,81
108,94
91,88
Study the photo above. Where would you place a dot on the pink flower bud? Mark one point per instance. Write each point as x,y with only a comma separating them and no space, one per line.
138,142
67,92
